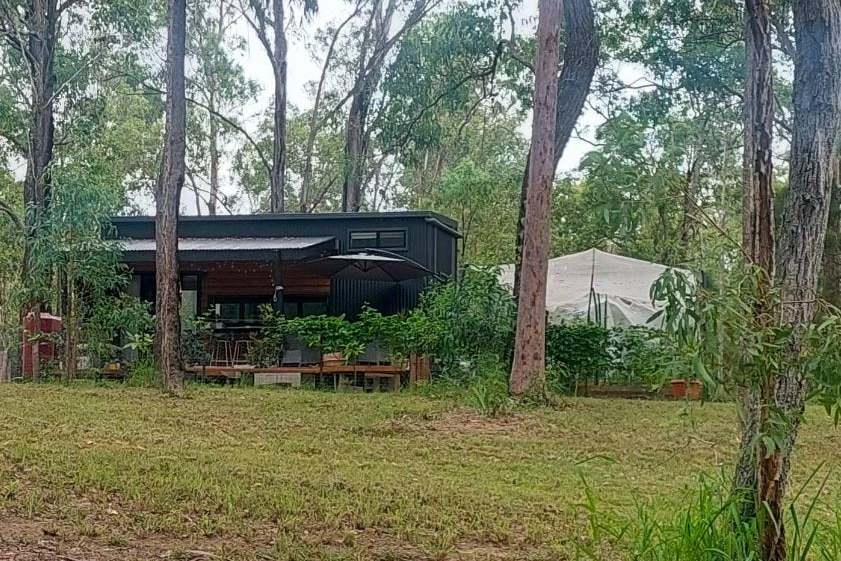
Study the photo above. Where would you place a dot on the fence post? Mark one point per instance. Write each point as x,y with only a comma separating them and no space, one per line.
4,366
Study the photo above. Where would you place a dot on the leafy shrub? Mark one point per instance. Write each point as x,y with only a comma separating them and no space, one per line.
469,318
328,334
113,316
647,356
580,350
196,341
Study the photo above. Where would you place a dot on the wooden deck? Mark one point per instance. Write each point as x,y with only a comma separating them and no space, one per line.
391,373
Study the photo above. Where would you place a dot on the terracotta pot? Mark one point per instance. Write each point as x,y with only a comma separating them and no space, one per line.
333,359
693,390
678,389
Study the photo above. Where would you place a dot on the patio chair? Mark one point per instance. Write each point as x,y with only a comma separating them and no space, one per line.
370,354
291,357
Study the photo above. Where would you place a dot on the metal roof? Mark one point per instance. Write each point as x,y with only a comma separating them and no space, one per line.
290,217
227,244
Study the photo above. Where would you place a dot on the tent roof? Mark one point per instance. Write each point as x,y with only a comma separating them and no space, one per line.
622,280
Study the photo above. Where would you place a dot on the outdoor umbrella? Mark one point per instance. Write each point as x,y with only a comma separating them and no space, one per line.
369,266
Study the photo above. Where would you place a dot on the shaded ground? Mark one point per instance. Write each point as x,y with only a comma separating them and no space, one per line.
242,474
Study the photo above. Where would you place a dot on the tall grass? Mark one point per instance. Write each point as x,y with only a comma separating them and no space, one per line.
709,528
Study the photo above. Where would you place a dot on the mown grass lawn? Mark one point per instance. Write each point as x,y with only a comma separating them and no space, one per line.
119,473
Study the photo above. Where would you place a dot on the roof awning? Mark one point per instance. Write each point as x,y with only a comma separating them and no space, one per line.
231,249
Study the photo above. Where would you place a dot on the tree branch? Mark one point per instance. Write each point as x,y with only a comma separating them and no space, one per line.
786,44
66,5
7,209
515,54
149,89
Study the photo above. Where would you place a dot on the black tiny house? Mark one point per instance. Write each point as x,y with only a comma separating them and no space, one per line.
234,264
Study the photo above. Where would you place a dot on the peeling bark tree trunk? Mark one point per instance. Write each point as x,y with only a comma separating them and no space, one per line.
278,171
528,369
170,183
367,78
581,56
757,221
357,136
814,154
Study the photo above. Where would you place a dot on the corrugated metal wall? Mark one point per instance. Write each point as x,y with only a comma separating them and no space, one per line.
349,296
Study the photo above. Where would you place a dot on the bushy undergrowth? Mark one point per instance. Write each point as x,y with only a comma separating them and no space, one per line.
710,528
579,351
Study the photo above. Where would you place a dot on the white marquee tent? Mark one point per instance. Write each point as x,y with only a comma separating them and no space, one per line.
599,286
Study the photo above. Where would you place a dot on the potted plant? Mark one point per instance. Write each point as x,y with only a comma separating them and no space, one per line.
678,389
330,335
694,389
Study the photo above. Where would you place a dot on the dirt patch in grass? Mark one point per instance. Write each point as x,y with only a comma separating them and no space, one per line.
462,422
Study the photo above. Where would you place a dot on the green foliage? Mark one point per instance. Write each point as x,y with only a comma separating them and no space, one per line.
581,349
482,196
196,340
328,334
488,390
439,66
646,356
116,315
474,317
585,351
710,528
142,374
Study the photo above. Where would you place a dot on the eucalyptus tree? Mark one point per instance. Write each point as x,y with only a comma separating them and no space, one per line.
757,227
167,194
269,20
445,94
528,368
379,35
218,87
814,157
580,59
42,72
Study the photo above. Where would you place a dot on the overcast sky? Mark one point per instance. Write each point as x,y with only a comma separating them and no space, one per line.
304,67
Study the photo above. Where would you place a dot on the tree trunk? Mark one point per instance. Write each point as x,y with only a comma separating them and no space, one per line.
814,154
278,171
356,149
831,289
40,52
528,370
757,221
581,56
170,182
306,180
693,187
357,135
214,159
71,341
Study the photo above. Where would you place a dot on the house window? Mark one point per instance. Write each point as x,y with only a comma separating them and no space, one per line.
381,239
302,307
234,310
190,295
